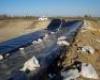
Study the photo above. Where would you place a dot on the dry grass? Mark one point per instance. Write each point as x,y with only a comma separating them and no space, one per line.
14,28
89,38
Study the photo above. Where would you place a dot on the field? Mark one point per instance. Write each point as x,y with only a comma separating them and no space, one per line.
12,28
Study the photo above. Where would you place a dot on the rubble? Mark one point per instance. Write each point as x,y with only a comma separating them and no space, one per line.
31,64
88,71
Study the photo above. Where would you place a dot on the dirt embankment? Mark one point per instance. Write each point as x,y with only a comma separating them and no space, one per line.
89,35
14,28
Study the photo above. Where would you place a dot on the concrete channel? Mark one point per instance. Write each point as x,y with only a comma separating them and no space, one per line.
56,56
47,52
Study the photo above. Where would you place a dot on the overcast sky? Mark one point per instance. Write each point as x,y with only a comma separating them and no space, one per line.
50,7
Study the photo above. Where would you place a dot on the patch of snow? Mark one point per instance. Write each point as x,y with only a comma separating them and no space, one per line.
46,36
34,42
52,32
22,51
88,49
39,40
60,43
1,57
31,64
62,38
21,48
88,71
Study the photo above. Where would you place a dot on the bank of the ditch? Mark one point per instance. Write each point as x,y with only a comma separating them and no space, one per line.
89,36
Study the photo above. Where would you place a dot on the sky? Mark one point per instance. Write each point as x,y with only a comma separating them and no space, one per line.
50,7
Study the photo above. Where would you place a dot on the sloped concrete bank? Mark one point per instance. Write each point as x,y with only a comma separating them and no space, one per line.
52,71
47,59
